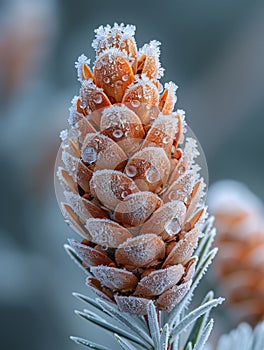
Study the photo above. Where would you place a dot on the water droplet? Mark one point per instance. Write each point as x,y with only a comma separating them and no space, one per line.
156,278
117,133
89,155
173,195
125,77
83,104
98,98
106,80
73,168
119,83
137,127
126,133
103,237
181,169
123,44
148,106
135,103
124,194
166,139
152,175
131,171
173,227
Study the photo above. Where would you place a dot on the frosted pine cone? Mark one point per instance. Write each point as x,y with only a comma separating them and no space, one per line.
240,266
131,187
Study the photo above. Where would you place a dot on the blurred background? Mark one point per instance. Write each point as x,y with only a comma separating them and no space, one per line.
212,49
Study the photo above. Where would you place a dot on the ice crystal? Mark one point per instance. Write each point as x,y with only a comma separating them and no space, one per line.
79,65
107,36
64,135
153,49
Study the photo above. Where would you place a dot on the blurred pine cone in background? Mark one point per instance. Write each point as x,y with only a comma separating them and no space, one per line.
131,186
239,219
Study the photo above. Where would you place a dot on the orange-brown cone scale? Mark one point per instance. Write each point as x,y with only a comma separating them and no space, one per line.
240,268
131,187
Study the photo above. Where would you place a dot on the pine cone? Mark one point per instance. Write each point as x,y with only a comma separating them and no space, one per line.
240,266
131,187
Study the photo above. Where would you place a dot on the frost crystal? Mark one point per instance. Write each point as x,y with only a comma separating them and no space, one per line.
152,49
107,36
64,135
172,88
79,65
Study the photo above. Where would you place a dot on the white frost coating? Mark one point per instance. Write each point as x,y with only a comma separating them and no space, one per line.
74,101
116,109
141,250
113,277
201,220
75,201
108,185
142,80
139,206
198,199
181,113
118,116
157,158
106,36
79,65
132,304
106,232
173,295
153,49
71,220
186,162
182,187
91,85
172,88
157,282
73,111
158,167
162,216
112,52
103,150
63,181
64,134
168,124
73,136
70,163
